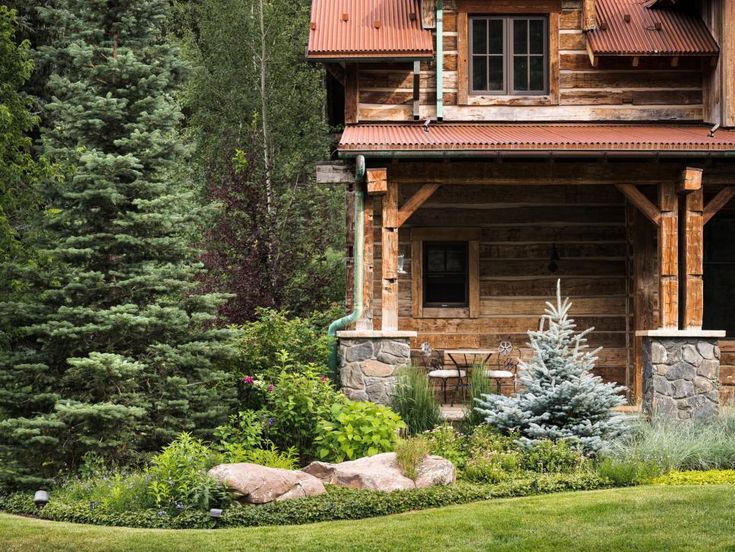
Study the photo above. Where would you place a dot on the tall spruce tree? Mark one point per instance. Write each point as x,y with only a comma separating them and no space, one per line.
117,353
561,397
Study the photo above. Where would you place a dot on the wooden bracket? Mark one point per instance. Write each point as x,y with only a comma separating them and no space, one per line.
377,181
591,55
337,71
691,180
641,202
718,202
414,202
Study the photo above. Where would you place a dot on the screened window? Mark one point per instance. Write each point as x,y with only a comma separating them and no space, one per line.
719,273
509,55
445,274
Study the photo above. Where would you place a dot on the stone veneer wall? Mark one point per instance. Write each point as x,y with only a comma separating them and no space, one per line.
681,377
368,365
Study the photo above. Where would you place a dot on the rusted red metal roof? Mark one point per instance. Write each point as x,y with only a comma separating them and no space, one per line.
372,29
628,27
489,138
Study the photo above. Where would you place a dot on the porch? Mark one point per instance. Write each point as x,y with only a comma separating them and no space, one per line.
620,234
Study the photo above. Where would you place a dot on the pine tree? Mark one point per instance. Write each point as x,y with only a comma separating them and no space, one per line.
561,398
117,352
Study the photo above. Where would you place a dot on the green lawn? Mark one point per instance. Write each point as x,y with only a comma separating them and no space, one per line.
643,518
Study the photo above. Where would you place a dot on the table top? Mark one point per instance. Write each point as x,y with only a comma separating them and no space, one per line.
469,351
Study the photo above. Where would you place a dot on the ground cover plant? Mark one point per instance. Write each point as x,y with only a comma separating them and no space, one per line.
615,520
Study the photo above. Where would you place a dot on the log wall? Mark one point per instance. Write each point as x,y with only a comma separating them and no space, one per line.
657,89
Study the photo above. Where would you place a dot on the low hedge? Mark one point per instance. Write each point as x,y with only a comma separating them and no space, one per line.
708,477
336,504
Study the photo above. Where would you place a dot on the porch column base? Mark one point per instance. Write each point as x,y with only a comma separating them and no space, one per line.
681,374
368,363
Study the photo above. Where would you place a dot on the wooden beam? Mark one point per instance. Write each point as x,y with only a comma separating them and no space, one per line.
693,262
589,15
377,181
718,202
366,321
389,261
691,180
334,173
645,289
591,55
668,255
641,202
352,95
337,71
414,202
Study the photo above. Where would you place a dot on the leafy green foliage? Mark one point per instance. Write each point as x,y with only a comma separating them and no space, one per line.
242,434
414,400
261,344
708,477
552,456
410,453
623,473
478,386
178,476
271,457
447,442
357,429
336,504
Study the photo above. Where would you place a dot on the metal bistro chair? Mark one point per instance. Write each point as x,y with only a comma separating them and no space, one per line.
436,370
506,364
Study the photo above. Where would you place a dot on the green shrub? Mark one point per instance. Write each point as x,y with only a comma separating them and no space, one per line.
491,456
447,442
112,492
552,457
478,385
414,400
241,434
410,453
680,446
709,477
273,458
261,341
357,429
624,473
178,476
336,504
294,406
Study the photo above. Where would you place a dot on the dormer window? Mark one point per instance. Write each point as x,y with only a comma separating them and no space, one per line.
509,55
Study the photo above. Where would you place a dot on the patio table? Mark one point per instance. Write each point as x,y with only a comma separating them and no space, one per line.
465,358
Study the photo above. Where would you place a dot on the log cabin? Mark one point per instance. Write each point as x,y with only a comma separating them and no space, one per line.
492,147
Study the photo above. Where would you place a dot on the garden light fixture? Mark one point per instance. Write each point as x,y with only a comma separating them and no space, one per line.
40,499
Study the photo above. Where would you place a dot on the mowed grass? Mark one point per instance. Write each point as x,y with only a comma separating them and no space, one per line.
655,518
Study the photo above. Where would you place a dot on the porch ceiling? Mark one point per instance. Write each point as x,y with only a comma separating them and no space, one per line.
453,139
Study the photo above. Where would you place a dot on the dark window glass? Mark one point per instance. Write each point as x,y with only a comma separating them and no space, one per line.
719,273
508,55
445,274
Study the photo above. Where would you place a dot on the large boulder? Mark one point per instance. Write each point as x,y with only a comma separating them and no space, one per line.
257,484
382,473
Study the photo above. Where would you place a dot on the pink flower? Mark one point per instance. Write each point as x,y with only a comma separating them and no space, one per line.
248,379
270,388
323,379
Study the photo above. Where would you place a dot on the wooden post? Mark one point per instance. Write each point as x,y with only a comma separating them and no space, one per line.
589,15
668,255
390,258
366,320
645,277
693,262
352,95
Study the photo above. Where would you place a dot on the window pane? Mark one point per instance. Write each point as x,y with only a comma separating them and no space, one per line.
537,36
496,36
537,73
435,259
479,36
479,72
520,36
455,259
520,73
496,73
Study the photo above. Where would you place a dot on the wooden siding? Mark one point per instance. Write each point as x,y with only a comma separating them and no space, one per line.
517,232
655,90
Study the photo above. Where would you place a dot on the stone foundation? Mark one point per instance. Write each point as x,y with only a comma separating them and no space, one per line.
368,362
681,377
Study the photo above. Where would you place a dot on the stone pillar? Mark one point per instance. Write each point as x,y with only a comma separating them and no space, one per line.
681,376
368,363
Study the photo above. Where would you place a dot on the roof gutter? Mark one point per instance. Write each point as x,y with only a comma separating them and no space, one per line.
439,60
528,154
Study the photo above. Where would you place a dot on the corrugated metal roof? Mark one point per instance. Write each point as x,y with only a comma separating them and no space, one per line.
648,31
526,137
346,29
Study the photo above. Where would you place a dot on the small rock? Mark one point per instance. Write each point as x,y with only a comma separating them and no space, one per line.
375,368
709,369
435,470
257,484
706,349
690,355
681,370
351,376
359,352
658,353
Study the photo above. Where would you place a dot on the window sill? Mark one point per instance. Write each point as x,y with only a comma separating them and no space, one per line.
491,100
445,312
